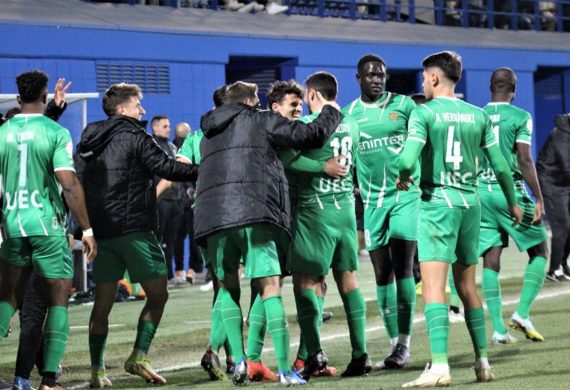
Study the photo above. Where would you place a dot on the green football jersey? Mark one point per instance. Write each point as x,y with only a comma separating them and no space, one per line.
511,125
383,131
453,131
318,188
190,149
32,149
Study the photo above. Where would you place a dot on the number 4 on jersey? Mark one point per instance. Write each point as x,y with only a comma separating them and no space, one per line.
453,150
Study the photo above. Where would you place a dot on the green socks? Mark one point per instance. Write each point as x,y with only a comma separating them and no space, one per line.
437,324
475,320
308,317
6,313
97,345
145,333
494,299
406,305
454,299
302,351
534,275
279,330
233,322
257,330
387,305
355,309
217,331
56,330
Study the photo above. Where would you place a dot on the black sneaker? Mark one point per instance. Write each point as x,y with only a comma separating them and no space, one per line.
399,358
566,271
314,363
550,276
230,366
327,315
358,367
211,364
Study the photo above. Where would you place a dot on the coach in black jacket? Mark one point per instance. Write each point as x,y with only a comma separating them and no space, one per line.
117,160
553,169
242,206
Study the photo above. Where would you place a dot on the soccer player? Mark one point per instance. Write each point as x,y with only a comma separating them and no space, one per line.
35,166
285,98
513,128
390,215
119,160
325,237
242,207
448,132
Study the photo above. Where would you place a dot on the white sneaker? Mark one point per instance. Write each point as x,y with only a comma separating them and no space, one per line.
274,9
483,373
455,318
250,7
525,326
430,379
207,287
503,338
234,5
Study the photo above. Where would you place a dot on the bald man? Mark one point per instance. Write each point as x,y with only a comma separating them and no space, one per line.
182,130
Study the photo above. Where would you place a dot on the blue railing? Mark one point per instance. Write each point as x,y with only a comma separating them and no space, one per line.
539,15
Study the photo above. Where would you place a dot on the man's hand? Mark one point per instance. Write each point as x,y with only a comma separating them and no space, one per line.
404,185
89,247
59,92
538,212
516,214
334,169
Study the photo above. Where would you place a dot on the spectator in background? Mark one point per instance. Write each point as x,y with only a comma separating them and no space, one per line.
553,169
270,6
169,205
181,131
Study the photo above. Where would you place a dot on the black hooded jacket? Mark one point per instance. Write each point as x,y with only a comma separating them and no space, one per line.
553,162
242,180
116,161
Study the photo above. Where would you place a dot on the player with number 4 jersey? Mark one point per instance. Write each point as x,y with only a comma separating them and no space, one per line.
390,215
448,133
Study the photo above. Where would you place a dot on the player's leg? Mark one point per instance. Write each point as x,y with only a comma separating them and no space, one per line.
455,315
403,252
355,309
105,294
557,209
533,280
386,291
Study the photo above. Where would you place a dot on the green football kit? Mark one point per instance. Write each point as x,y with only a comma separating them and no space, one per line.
190,150
388,212
32,149
511,126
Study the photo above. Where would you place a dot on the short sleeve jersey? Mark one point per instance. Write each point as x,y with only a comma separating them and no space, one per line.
190,150
383,131
453,131
511,125
318,188
32,149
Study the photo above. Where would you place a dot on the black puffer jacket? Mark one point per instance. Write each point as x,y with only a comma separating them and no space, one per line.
242,180
116,161
553,162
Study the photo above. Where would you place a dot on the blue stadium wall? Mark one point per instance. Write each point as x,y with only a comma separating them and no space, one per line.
197,65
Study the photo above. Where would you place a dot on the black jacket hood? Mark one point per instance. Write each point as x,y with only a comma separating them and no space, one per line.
98,134
563,122
216,121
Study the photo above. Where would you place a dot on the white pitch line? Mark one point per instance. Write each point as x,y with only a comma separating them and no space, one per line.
419,318
87,326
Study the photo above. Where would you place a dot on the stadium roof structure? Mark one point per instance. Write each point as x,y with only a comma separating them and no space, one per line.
8,101
77,13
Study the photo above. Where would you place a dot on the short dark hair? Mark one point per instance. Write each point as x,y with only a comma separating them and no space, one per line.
157,118
240,92
503,80
323,82
31,86
448,61
118,94
279,89
218,95
369,58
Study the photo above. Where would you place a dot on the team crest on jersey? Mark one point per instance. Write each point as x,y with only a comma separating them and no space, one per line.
394,116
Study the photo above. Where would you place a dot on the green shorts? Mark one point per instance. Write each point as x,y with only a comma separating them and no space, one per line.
324,239
392,220
49,256
256,246
448,234
139,253
496,222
